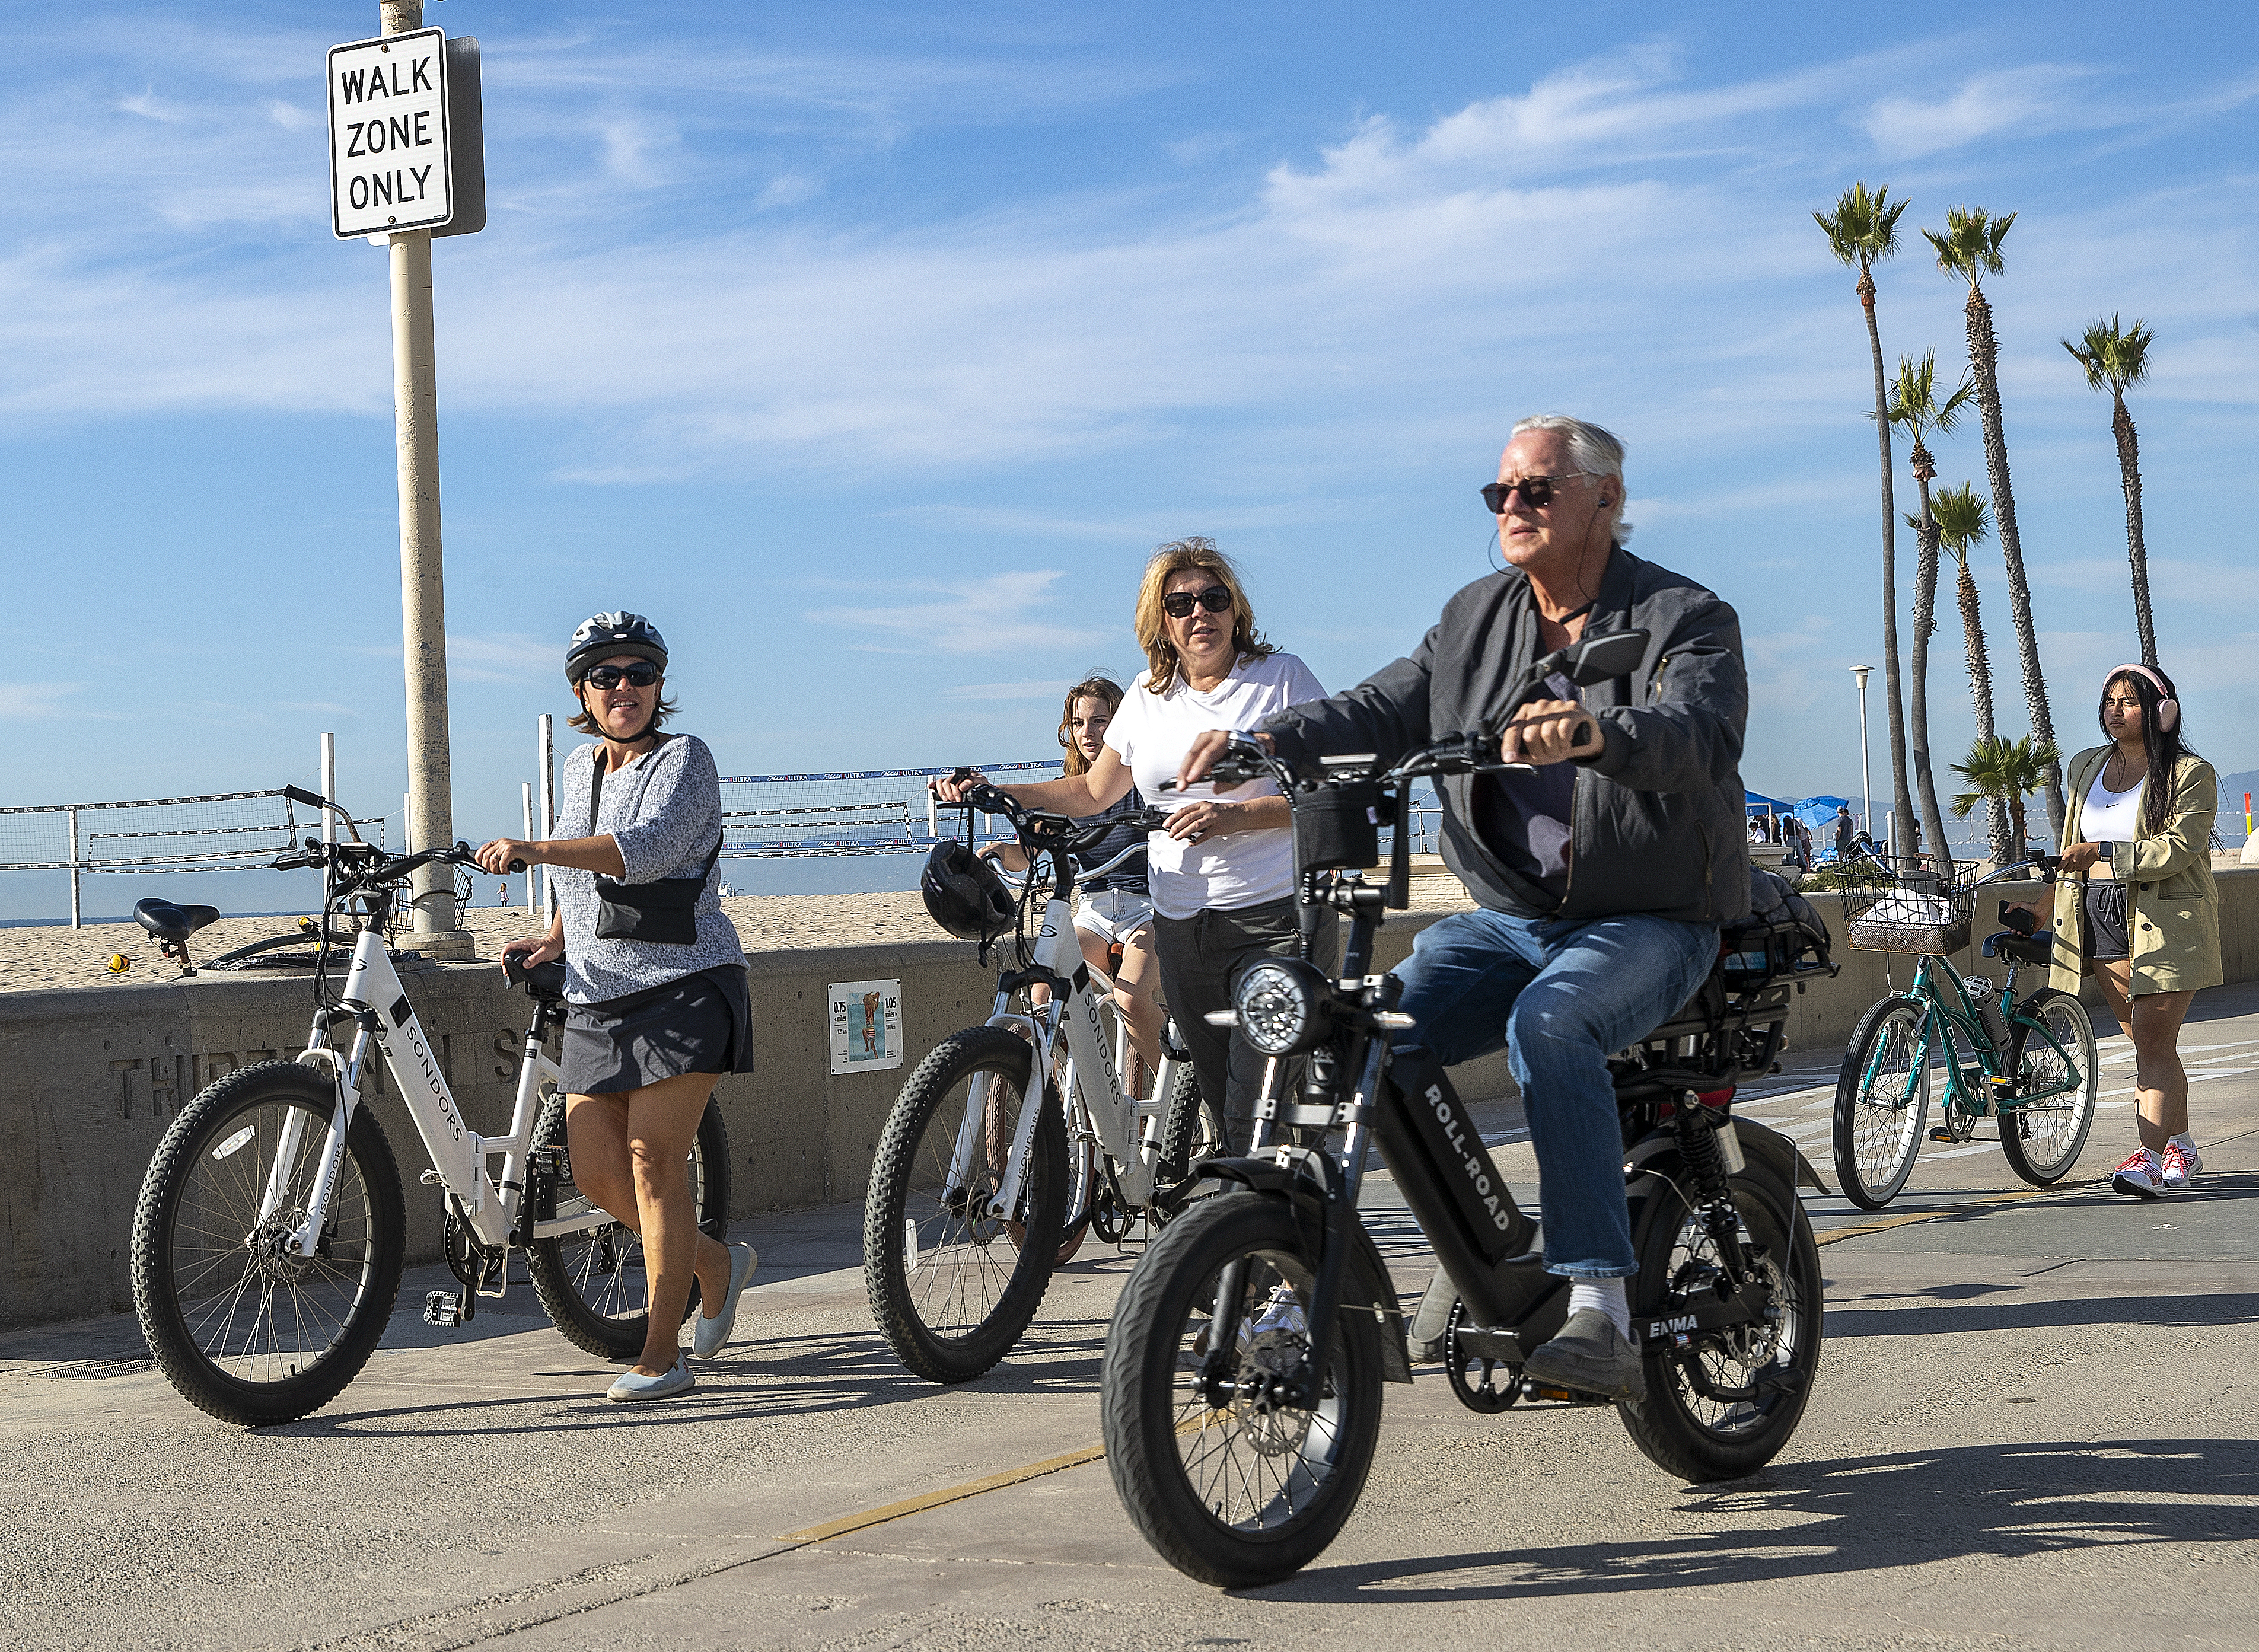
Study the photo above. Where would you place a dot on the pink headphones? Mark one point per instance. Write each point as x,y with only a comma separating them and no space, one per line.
2168,709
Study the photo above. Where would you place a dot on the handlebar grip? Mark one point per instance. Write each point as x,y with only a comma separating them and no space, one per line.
516,865
300,795
294,863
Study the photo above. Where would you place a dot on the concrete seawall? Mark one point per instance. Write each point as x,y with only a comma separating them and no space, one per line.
91,1077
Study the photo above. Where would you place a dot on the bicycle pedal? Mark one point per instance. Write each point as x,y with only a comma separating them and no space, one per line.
1941,1133
441,1307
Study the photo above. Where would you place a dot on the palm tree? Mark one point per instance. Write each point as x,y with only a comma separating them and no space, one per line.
1863,230
1963,521
1970,249
2115,362
2005,771
1916,409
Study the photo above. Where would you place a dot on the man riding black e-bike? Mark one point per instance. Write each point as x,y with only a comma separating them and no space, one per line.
1601,872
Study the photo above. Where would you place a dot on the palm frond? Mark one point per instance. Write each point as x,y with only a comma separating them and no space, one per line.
1914,404
1963,518
2115,360
2004,769
1863,228
1971,246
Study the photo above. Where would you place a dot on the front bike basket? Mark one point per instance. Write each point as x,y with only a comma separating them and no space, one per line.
1909,917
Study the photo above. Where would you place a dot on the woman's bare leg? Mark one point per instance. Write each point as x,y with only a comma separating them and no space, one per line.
630,1154
1137,985
2153,1022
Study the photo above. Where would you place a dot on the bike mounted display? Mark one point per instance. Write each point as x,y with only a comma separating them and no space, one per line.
2029,1062
268,1240
1242,1379
1013,1137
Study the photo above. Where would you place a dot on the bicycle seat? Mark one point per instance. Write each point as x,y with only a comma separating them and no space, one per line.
2025,948
169,921
544,982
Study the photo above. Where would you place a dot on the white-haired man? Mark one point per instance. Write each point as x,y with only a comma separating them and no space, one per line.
1601,874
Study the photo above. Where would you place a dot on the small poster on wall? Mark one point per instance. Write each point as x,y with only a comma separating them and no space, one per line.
866,1026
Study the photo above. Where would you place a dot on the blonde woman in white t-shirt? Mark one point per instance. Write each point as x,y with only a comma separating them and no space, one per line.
1221,873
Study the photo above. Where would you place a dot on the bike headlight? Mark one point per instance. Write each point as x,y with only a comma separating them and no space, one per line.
1282,1005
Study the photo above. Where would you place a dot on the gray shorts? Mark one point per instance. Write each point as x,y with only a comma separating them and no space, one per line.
699,1023
2106,939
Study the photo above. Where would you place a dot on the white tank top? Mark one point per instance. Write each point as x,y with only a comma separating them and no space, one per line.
2109,816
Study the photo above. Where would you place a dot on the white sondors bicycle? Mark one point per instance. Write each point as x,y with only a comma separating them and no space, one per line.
985,1179
268,1239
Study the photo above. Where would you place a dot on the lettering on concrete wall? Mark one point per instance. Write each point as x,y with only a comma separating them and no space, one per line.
160,1086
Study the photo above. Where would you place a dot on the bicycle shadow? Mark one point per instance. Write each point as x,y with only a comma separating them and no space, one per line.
788,1377
1798,1520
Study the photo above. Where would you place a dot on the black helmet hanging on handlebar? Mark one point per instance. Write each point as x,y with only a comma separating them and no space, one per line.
602,636
964,895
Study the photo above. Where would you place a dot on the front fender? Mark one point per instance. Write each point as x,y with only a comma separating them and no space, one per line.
1366,1287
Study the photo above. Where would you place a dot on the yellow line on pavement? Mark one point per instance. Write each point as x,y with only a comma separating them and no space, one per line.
1888,1222
869,1517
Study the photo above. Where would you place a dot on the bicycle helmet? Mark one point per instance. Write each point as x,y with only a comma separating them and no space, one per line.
602,636
964,895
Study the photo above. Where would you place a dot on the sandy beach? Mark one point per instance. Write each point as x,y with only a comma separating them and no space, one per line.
36,958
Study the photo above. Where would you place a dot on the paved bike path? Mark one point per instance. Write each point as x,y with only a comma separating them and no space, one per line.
2031,1423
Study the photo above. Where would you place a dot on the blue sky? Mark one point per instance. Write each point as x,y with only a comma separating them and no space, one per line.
868,347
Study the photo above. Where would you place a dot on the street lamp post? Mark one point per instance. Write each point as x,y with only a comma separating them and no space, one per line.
1866,780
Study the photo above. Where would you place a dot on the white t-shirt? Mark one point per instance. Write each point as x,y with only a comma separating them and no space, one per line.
1151,733
2110,817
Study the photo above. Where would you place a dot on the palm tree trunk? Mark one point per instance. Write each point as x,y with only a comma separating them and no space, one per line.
1980,699
2129,473
1894,691
1925,625
2015,828
1984,360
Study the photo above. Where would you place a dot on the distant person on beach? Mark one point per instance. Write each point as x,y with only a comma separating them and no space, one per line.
657,1006
1222,873
1846,831
2138,908
1113,914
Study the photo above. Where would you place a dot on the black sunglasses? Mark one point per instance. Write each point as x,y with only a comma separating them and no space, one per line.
642,675
1536,491
1178,604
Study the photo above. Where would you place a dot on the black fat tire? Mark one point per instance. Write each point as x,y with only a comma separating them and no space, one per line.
367,1197
912,1159
2049,1164
1192,1127
1875,1186
1666,1428
592,1284
1146,1401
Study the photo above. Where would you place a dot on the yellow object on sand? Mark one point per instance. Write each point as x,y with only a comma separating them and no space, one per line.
119,963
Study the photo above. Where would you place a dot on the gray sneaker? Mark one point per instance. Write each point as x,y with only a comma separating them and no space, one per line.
1592,1356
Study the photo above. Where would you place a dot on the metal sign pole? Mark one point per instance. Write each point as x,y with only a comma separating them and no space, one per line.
423,595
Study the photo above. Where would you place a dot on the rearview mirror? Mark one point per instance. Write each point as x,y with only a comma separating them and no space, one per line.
1598,658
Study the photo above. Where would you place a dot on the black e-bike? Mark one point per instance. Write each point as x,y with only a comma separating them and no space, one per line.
1242,1390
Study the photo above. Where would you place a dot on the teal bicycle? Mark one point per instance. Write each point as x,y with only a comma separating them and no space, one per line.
2026,1061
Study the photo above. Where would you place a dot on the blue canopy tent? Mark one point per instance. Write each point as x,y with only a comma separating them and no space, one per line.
1760,804
1818,812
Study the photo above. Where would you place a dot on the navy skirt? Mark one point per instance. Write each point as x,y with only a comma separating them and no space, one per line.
700,1023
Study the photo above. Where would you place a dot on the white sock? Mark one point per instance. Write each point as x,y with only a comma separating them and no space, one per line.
1608,1295
2187,1142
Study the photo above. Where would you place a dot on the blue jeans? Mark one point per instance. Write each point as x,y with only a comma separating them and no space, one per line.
1562,997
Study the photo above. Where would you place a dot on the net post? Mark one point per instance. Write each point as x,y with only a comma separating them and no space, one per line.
73,815
546,752
329,785
526,789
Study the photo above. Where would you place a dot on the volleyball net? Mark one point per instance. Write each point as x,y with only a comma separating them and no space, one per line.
852,812
222,831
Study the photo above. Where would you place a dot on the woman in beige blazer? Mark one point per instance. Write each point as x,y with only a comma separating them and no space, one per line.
2143,914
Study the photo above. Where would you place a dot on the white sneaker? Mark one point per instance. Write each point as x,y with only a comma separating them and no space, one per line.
2181,1164
1280,1316
2141,1175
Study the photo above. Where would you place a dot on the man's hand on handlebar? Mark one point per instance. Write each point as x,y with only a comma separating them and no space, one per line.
1549,731
1201,756
507,854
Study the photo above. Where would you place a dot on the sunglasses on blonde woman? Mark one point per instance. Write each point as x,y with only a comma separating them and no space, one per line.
1178,604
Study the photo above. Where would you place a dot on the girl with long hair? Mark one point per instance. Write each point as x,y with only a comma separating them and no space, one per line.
2137,907
1114,913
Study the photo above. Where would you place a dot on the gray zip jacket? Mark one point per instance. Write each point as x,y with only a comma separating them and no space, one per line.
1658,816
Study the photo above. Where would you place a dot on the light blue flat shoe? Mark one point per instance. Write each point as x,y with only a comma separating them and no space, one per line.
633,1386
712,1336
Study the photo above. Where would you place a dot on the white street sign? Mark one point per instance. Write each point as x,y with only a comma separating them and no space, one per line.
388,135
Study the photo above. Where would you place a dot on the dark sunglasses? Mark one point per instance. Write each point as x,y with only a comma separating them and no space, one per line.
642,675
1178,604
1536,491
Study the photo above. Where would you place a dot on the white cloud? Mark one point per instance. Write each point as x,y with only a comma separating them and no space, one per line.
290,116
788,188
1041,688
990,616
2039,98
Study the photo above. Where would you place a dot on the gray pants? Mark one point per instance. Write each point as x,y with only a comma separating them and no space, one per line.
1202,958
